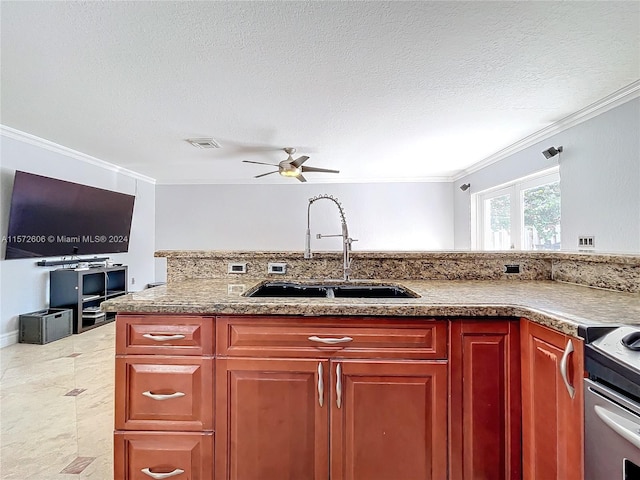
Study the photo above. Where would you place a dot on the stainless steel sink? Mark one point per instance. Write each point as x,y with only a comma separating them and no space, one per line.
330,290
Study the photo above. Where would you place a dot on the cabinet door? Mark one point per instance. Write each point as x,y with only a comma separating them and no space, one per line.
272,419
552,418
388,420
485,400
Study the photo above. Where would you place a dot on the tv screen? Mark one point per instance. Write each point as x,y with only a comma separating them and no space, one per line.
51,217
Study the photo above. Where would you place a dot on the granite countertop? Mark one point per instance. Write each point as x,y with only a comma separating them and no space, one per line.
561,306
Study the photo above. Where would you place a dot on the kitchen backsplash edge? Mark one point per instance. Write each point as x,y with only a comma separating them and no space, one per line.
617,272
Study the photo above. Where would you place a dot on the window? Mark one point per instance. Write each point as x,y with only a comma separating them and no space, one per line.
524,215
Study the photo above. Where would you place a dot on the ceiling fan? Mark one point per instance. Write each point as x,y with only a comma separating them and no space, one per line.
291,167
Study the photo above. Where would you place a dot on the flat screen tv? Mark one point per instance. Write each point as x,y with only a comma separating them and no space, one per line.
51,217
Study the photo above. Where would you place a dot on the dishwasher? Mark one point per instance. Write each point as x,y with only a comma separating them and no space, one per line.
612,406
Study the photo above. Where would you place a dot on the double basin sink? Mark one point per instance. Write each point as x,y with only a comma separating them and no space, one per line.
330,290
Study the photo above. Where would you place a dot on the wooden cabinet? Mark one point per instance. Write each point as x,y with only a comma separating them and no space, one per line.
269,419
552,404
388,420
348,337
165,393
164,335
320,412
346,398
164,413
485,431
145,455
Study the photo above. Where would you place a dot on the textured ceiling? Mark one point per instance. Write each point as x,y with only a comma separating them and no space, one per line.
379,90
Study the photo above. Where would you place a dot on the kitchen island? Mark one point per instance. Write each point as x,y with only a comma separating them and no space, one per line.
474,378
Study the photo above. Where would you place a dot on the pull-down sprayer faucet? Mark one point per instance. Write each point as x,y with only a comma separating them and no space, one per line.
346,240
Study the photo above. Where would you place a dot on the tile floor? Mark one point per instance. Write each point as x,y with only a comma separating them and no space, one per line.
56,408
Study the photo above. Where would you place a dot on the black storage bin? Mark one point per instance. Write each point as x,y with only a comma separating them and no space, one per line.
45,326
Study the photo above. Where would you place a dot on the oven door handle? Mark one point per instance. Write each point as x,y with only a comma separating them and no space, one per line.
624,427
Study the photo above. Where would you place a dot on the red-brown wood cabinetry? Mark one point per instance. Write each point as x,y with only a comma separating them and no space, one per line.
345,398
484,360
270,423
347,411
164,412
148,455
388,420
552,404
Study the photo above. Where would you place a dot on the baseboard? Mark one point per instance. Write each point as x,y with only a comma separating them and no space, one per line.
7,339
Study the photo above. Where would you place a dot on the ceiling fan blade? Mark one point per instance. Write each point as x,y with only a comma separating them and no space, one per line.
264,174
299,161
315,169
301,178
261,163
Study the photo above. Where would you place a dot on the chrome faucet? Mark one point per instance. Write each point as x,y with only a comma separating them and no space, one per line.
346,240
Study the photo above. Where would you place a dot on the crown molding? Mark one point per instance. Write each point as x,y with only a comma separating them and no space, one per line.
24,137
603,105
315,181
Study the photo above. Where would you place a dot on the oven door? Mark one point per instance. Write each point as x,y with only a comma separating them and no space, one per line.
612,434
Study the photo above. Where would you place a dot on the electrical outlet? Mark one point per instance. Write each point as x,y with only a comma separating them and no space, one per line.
133,280
237,267
236,289
586,242
278,268
513,268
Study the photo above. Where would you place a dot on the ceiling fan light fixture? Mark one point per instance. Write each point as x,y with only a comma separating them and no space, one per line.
292,168
290,172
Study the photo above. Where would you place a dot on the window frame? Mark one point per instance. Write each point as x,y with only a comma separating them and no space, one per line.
516,191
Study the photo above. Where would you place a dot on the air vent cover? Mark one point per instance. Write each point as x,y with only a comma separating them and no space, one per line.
204,143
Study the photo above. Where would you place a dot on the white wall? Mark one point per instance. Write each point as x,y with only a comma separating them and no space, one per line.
24,287
599,178
385,216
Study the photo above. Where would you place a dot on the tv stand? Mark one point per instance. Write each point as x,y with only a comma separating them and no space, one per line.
83,290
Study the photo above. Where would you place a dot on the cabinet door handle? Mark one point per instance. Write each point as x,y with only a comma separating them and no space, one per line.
160,476
163,338
338,386
330,341
563,368
320,385
159,396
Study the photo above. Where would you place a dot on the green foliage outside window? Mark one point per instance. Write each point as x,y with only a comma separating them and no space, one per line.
542,211
541,207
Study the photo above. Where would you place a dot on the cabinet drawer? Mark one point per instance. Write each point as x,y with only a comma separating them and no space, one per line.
164,393
355,337
164,335
162,452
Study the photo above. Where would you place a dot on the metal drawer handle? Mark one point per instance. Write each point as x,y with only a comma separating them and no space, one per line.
627,429
158,396
563,368
160,476
320,385
330,341
163,338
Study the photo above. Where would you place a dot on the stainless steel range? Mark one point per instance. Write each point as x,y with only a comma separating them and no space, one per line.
612,405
